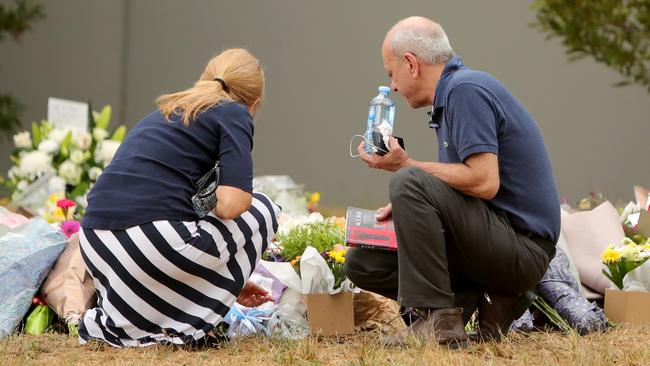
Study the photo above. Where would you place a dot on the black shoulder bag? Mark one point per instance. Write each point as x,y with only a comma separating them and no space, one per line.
205,198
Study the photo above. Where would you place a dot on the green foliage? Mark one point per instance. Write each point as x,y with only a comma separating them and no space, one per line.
18,20
10,109
320,235
613,32
15,22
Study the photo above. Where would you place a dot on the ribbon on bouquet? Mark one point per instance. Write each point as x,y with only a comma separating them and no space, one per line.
247,323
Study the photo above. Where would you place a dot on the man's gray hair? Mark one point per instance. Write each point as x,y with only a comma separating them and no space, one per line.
430,46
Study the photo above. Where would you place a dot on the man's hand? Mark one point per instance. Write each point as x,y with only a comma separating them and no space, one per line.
253,295
385,212
396,158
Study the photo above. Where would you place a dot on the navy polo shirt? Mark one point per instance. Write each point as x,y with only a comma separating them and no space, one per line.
474,113
152,176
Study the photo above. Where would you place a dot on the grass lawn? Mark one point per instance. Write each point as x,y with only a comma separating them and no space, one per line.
624,345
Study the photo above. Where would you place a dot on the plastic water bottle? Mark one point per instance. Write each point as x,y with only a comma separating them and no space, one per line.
381,122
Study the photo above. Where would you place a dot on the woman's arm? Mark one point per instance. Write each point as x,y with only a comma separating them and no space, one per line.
232,202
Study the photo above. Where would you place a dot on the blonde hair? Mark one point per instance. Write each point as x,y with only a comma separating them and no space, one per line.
243,78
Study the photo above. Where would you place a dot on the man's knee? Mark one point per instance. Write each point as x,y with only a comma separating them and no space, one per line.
410,180
354,268
362,271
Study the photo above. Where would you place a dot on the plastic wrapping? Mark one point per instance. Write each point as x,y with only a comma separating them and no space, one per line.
26,257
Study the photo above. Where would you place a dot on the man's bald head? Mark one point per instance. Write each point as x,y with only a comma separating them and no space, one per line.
420,36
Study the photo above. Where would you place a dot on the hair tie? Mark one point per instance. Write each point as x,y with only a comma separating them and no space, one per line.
223,84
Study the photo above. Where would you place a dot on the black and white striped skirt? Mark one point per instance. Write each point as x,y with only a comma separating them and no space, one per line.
171,281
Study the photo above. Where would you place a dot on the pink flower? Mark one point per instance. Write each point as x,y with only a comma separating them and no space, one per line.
69,227
65,203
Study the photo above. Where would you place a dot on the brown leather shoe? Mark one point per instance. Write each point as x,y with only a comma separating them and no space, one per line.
496,314
443,325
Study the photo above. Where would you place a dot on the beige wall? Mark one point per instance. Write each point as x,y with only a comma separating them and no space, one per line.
323,65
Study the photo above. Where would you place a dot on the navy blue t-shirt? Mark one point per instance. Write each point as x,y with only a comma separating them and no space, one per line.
474,113
153,174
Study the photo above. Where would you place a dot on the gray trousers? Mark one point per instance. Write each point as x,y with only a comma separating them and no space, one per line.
451,249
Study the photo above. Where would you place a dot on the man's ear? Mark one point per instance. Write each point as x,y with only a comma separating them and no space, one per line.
412,63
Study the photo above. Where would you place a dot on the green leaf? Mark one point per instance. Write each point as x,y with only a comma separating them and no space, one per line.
36,134
612,279
67,140
79,190
104,118
91,118
119,134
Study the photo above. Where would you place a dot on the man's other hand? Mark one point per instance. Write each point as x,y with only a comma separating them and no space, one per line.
384,213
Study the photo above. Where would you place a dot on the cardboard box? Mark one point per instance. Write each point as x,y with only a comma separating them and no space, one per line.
330,314
627,306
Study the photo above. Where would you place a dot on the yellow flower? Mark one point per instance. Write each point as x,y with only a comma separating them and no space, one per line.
610,255
337,255
315,198
646,247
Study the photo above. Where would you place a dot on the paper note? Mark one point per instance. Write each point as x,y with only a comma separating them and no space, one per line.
67,114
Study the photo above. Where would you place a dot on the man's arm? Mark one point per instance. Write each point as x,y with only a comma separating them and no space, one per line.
477,176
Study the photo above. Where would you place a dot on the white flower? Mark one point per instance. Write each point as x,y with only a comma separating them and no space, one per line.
22,185
70,172
48,146
82,200
315,217
630,252
77,156
13,172
34,163
83,140
57,135
100,134
94,173
23,140
57,184
105,151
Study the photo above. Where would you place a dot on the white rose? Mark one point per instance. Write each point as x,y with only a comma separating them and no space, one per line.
94,173
48,146
57,135
77,156
83,140
57,184
22,185
105,151
23,140
34,163
100,134
70,172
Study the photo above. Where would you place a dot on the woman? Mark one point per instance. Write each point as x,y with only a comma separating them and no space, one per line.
162,273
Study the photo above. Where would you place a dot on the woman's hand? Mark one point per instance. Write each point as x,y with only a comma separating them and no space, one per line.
253,295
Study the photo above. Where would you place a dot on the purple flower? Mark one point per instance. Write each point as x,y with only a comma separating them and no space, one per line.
69,227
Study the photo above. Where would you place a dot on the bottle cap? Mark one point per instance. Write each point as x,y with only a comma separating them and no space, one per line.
384,90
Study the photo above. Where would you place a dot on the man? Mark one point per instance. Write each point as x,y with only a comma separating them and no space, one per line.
478,228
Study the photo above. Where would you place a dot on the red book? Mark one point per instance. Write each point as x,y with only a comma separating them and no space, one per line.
363,230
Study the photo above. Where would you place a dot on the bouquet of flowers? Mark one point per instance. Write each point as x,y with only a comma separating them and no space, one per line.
314,231
623,259
69,160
